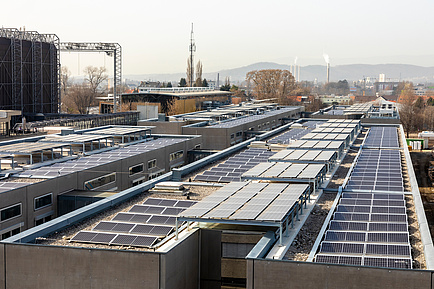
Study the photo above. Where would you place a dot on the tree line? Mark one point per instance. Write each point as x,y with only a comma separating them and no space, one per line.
416,114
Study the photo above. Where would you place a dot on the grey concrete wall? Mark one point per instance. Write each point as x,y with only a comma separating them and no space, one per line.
180,266
2,266
212,138
166,127
380,121
210,256
32,266
288,274
10,198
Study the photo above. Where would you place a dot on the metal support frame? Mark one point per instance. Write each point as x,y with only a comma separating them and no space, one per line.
111,49
25,78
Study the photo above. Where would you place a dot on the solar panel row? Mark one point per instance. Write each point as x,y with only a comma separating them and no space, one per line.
288,136
232,169
268,202
100,158
379,170
382,137
142,226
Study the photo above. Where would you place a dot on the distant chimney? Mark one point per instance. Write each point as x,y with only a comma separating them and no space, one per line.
218,81
328,72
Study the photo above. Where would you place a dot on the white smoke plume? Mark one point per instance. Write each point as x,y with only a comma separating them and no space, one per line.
326,58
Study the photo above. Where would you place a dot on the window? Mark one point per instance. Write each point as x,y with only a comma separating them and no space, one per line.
152,164
153,176
101,181
176,155
239,134
43,201
11,233
138,181
43,220
232,136
136,169
10,212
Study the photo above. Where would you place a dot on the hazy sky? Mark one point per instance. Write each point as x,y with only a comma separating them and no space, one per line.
155,35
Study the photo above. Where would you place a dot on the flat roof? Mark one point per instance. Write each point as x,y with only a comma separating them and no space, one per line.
251,118
228,110
119,130
94,160
75,138
29,147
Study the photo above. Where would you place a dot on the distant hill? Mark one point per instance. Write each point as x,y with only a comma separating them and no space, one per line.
351,72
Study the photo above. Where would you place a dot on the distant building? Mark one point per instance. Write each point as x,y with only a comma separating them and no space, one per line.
333,99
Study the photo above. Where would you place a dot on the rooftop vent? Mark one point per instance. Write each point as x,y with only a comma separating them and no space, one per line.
170,188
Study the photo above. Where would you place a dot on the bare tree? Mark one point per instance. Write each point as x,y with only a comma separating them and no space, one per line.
429,117
408,112
94,78
198,74
81,98
65,81
272,83
190,73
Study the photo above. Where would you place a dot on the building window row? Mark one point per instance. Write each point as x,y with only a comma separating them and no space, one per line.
136,169
43,201
11,212
176,155
152,164
100,181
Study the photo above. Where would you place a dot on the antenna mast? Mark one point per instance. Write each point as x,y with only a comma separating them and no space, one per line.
192,50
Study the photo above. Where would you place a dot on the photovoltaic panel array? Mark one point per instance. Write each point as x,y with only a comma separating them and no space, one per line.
142,226
95,160
250,202
340,130
379,170
313,123
286,172
288,136
250,118
303,156
368,229
382,137
7,186
328,136
335,112
359,108
232,169
317,144
341,123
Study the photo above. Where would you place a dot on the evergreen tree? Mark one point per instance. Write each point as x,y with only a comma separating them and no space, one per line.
182,82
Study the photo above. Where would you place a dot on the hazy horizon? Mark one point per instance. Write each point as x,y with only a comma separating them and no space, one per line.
155,35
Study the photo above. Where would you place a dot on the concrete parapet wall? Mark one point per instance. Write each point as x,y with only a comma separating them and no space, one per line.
290,274
46,267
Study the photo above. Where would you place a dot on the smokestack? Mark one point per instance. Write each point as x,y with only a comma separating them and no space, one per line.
299,73
294,72
327,60
218,81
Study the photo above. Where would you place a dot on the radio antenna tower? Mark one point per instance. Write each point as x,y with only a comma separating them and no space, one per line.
192,50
